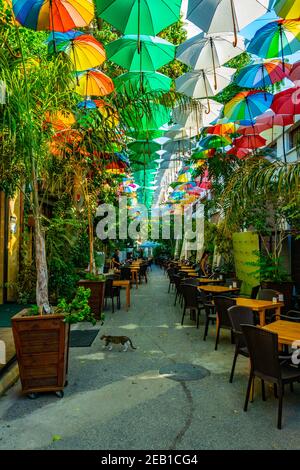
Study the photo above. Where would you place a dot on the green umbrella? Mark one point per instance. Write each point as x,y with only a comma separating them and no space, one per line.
132,16
146,120
145,134
146,82
144,146
154,53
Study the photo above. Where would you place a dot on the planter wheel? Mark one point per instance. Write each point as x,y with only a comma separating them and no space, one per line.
32,396
59,393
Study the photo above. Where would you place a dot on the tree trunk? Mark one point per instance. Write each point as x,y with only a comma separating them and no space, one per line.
42,299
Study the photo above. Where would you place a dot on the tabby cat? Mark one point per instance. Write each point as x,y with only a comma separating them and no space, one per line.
110,340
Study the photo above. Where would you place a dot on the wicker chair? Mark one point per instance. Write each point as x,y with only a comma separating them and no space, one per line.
222,304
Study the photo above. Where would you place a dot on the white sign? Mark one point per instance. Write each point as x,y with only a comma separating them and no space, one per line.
2,352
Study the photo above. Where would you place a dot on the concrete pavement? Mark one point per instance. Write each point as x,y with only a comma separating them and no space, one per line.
118,400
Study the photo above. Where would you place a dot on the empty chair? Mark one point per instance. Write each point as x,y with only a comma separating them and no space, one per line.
111,292
222,304
125,273
265,364
191,282
209,309
239,316
170,273
254,292
177,281
267,294
191,301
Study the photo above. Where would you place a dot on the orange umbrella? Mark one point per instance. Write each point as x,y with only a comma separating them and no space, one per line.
60,120
94,83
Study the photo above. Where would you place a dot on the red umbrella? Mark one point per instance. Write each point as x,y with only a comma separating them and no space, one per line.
294,75
239,152
267,121
287,102
250,142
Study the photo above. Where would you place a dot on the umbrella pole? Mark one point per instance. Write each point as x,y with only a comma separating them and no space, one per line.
206,92
283,143
281,43
139,26
234,24
264,81
53,33
213,61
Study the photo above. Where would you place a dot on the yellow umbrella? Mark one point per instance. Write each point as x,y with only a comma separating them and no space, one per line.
94,83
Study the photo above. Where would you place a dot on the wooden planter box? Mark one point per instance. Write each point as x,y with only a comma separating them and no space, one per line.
96,299
42,348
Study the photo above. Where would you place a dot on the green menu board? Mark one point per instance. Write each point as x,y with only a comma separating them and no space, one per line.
245,247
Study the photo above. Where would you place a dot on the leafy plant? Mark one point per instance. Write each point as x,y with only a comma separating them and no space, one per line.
95,277
270,268
78,310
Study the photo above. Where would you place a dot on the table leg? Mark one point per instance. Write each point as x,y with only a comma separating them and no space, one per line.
278,313
128,297
262,317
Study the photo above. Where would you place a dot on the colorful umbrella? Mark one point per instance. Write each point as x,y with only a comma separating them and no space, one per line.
209,52
134,16
267,121
53,15
222,129
84,51
146,120
60,121
203,154
87,104
94,83
262,74
214,142
247,105
288,9
250,142
143,82
223,16
154,53
276,39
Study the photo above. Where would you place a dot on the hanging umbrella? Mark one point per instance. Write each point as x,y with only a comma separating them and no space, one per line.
212,111
287,102
133,16
143,82
294,75
223,16
116,167
201,83
154,53
203,154
144,146
179,132
240,153
94,83
87,104
276,39
222,129
214,142
60,120
53,15
146,120
209,52
250,142
84,51
288,9
190,115
262,74
267,121
247,105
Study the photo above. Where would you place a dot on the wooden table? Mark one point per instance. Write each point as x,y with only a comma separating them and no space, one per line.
125,284
218,289
205,280
135,274
260,306
288,331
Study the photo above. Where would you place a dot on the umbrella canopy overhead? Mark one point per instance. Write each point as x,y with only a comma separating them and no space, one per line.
148,120
143,82
279,38
133,16
53,15
294,75
214,142
247,105
209,52
94,83
143,146
201,83
250,142
287,102
225,16
262,74
154,53
288,9
84,51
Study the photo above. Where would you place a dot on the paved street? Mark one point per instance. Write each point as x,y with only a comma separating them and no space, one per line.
118,400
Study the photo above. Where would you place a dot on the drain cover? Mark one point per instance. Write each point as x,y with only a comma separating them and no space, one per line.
182,372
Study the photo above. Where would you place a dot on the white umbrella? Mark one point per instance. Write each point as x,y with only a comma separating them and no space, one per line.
181,132
209,51
201,83
189,116
212,111
225,16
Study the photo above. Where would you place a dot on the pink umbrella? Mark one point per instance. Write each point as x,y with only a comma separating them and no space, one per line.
267,121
